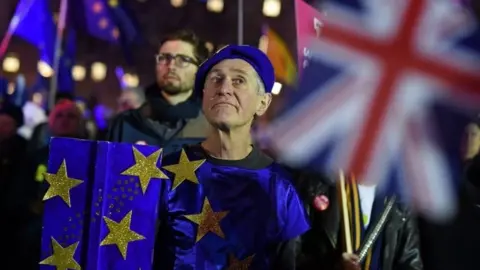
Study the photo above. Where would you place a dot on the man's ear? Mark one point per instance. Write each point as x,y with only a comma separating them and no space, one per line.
265,101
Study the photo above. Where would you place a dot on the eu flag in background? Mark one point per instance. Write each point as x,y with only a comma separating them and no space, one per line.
33,22
67,60
110,21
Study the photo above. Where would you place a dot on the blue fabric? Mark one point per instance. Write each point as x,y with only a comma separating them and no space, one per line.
107,191
33,22
67,60
113,22
256,58
263,211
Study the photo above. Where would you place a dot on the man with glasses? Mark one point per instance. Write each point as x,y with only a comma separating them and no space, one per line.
171,110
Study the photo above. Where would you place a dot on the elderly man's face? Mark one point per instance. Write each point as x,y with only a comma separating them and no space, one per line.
233,94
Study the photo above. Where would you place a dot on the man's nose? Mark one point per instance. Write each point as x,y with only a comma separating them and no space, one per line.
171,63
226,87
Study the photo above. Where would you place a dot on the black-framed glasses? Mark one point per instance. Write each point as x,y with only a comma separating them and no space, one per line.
180,59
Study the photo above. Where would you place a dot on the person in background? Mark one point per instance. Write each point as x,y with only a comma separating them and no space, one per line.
397,247
455,244
34,115
472,153
65,120
12,163
41,133
243,210
130,99
12,146
172,110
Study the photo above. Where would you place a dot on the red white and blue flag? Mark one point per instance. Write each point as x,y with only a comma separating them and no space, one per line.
365,100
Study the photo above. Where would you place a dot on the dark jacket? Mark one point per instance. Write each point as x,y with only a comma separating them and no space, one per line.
319,248
455,244
157,122
133,126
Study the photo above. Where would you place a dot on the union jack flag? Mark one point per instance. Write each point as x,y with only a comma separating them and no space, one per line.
364,102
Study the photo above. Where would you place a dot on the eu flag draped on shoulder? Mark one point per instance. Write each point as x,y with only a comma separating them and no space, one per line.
221,204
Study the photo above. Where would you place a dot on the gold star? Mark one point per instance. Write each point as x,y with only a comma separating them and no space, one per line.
120,234
236,264
62,257
184,170
60,184
145,168
207,221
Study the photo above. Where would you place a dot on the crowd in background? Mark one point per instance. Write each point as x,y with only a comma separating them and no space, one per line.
165,110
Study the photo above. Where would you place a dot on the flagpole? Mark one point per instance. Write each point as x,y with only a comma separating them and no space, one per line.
5,42
240,22
62,20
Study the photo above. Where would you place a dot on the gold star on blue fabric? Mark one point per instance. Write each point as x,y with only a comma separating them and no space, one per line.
62,258
60,184
145,168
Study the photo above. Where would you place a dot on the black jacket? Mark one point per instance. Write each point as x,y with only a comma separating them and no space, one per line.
455,244
319,248
136,125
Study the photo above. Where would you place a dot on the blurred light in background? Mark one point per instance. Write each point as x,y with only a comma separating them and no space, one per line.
277,87
11,64
130,80
178,3
99,71
271,8
44,69
79,73
11,88
215,5
209,46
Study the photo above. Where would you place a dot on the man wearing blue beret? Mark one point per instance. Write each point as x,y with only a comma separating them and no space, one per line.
227,205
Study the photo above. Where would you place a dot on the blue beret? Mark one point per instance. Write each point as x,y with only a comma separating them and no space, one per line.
255,57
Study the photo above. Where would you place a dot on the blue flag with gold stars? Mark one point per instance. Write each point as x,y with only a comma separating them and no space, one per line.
110,20
225,214
33,22
100,206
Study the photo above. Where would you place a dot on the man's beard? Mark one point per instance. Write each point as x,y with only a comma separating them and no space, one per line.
173,89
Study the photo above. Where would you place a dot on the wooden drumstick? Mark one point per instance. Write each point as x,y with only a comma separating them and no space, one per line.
344,212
